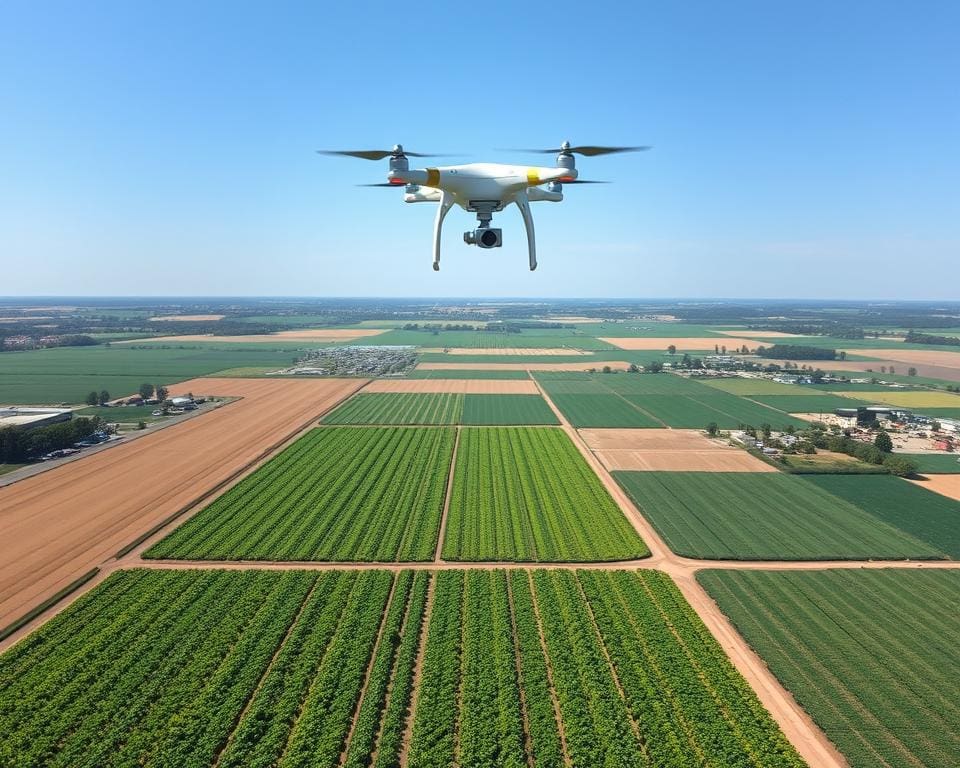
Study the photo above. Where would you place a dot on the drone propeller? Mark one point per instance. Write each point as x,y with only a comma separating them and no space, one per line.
587,150
395,186
376,154
583,181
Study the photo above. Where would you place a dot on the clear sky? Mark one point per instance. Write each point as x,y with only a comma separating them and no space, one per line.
802,149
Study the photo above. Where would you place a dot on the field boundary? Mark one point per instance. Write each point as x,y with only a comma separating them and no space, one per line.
437,555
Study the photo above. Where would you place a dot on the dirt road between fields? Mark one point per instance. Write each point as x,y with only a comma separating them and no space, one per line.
57,526
456,386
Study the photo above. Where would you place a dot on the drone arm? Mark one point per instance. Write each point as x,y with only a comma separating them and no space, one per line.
523,204
446,202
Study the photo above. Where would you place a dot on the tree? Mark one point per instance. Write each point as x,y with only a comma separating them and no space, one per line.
93,399
146,391
790,429
883,442
712,429
716,349
672,349
655,367
892,369
934,426
607,369
161,392
104,396
723,349
843,355
766,430
141,425
900,466
883,369
911,372
633,368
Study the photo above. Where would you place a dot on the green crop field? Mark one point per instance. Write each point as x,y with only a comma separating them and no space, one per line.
808,403
398,408
67,374
121,413
739,386
336,494
695,412
941,413
649,329
936,463
763,516
507,409
435,408
533,338
450,373
298,668
929,516
869,654
527,494
602,411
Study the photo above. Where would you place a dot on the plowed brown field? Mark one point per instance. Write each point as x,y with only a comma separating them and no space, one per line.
702,343
668,450
457,386
946,485
58,525
316,334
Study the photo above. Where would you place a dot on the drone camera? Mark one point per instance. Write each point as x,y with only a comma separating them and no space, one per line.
484,238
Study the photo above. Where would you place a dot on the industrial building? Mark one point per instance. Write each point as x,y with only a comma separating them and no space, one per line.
17,416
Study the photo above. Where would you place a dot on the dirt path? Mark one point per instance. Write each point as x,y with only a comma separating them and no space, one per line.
446,499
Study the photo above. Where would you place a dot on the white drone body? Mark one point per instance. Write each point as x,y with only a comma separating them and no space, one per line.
483,188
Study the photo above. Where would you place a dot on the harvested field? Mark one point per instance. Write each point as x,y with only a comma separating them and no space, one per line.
58,525
456,386
912,400
942,371
945,485
315,335
668,450
918,357
186,318
682,344
522,351
454,373
617,365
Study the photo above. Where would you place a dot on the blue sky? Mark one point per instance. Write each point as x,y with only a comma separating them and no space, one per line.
801,149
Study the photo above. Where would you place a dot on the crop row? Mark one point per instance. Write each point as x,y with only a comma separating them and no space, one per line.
864,652
336,494
527,494
262,668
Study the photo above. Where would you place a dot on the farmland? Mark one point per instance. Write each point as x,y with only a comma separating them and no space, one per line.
936,463
763,516
881,689
527,494
808,403
58,525
398,408
913,400
421,373
294,668
924,514
443,408
336,494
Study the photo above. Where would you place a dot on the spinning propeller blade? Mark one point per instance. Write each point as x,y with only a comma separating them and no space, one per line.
587,150
377,154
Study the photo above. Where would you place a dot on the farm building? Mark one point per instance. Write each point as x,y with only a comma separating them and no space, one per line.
33,417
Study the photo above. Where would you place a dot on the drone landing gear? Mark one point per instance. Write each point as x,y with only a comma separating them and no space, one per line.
446,203
523,203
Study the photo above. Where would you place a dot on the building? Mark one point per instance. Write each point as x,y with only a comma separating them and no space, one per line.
29,418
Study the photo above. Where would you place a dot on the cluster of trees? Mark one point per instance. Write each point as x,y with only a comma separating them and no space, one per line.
19,444
797,352
435,327
879,453
928,338
146,392
835,330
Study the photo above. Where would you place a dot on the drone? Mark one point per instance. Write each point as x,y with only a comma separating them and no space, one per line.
483,188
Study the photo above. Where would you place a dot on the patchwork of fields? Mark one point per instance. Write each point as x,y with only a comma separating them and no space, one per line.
442,408
864,652
336,494
765,516
240,668
527,494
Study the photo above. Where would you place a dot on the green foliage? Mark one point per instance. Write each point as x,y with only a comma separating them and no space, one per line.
843,642
935,463
337,493
507,409
764,516
884,442
528,494
18,444
797,352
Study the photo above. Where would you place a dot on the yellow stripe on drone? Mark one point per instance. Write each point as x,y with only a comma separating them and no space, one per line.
533,177
433,177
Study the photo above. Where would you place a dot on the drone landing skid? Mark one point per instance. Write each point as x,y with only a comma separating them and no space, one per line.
485,236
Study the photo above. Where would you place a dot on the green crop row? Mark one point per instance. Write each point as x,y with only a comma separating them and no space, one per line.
259,668
867,653
528,494
336,494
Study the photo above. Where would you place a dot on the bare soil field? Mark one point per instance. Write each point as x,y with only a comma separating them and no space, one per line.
57,526
700,343
941,371
573,319
668,450
936,357
309,334
521,351
456,386
945,485
617,365
187,318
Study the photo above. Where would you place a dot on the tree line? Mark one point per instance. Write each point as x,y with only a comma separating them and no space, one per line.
19,444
